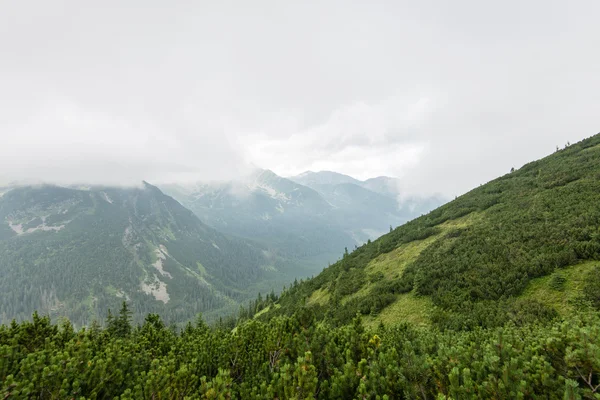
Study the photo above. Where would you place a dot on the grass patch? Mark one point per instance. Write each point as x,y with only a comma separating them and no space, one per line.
319,296
393,264
111,290
266,310
268,268
407,308
88,301
461,222
591,148
201,268
563,300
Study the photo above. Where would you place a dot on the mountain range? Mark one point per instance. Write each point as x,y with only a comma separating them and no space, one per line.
311,217
78,251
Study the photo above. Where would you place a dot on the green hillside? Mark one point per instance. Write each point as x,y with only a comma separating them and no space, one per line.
476,261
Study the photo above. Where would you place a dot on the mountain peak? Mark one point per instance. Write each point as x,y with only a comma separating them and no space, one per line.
323,177
150,187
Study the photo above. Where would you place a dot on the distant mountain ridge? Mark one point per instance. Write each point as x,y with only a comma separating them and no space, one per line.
384,185
375,203
281,214
312,215
309,178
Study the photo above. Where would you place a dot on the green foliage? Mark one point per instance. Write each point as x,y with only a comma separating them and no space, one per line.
558,282
120,326
297,358
570,298
591,289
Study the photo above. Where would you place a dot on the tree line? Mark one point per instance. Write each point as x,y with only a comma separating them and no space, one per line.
297,357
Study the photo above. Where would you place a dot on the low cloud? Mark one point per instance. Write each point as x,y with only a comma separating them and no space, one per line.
67,144
362,140
445,96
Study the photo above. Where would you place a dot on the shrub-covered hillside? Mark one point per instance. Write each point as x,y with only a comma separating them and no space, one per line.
468,262
297,358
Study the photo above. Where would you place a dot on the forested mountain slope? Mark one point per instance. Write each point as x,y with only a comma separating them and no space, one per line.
76,253
469,262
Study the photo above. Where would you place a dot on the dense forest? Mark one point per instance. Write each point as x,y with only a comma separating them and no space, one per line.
299,358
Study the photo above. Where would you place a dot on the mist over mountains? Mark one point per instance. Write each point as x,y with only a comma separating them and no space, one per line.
79,250
315,214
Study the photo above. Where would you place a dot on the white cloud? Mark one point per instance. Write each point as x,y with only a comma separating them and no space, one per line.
64,143
445,95
362,140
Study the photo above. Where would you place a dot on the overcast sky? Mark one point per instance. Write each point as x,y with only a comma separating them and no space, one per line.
443,94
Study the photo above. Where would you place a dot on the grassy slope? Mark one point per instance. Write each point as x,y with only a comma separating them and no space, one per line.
564,301
407,306
496,243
